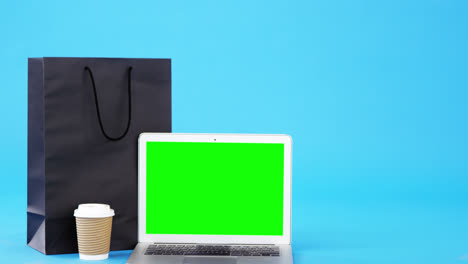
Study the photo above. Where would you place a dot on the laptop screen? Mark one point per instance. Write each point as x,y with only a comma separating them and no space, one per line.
214,188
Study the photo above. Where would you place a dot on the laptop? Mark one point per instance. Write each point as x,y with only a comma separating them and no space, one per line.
214,199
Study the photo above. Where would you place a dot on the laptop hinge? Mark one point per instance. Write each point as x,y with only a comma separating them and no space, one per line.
177,243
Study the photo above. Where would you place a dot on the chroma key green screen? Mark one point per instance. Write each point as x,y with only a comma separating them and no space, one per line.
209,188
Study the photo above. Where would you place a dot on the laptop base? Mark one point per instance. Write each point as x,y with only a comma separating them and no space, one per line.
139,257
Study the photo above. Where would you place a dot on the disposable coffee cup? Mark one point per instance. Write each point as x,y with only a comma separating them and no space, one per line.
93,228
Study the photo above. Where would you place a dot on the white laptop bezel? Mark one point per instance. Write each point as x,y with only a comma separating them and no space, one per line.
215,239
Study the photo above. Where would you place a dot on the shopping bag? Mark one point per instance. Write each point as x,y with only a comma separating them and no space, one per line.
84,119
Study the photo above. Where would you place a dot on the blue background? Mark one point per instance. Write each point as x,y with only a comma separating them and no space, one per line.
374,94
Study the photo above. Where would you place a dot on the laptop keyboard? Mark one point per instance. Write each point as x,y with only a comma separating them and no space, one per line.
212,250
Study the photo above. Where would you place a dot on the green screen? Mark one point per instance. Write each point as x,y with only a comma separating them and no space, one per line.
203,188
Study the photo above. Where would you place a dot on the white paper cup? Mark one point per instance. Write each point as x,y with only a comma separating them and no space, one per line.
93,228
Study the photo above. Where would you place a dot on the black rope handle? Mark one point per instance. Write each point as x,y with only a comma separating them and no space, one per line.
97,105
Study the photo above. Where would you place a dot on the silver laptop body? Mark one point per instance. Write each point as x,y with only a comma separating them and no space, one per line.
160,154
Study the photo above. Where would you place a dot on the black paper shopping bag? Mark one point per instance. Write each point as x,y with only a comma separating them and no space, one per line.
84,118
